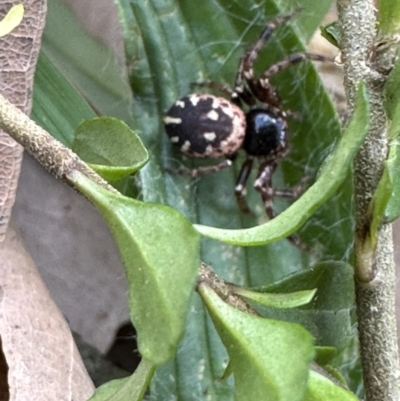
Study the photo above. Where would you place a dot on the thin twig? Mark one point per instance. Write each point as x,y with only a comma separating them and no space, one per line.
51,154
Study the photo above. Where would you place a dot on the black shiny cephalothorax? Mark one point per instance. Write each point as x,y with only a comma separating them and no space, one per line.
208,126
265,133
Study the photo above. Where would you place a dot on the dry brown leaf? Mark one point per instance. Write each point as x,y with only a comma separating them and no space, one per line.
18,55
43,361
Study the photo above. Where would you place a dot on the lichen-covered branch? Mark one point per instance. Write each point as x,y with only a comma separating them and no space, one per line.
374,270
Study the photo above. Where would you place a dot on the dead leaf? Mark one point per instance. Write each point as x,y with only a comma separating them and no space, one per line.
18,55
43,361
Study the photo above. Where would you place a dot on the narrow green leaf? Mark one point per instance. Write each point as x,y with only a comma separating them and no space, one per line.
57,105
270,359
12,19
131,388
332,174
88,63
290,300
110,147
321,388
160,252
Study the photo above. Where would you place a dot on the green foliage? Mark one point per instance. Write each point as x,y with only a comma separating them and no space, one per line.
170,44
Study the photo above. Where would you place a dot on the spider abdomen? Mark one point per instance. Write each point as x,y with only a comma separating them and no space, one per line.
265,133
203,125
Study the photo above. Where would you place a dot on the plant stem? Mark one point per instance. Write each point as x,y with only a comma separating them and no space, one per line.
374,269
51,154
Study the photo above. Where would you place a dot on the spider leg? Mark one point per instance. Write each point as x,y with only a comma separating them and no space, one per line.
291,60
202,170
292,193
245,69
262,88
240,187
263,185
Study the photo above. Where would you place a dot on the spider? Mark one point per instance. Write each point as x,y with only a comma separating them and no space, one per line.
203,125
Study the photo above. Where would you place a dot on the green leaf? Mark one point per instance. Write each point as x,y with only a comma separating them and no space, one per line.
170,44
332,33
160,252
57,105
131,388
11,20
290,300
270,359
86,62
322,389
331,176
111,148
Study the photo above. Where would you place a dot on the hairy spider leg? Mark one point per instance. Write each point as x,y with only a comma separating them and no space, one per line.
240,187
263,185
245,68
247,60
292,60
262,88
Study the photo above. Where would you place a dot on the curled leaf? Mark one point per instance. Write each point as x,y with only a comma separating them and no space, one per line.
290,300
